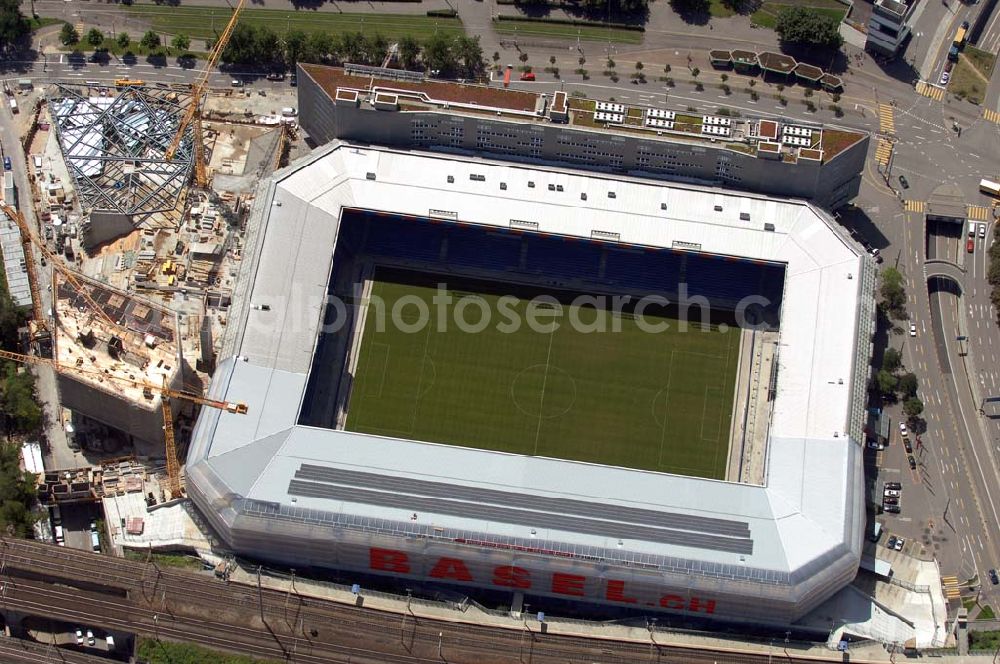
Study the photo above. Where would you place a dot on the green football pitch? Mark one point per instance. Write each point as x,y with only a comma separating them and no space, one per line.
654,401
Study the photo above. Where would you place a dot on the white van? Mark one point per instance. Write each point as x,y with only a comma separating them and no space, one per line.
289,112
111,642
59,534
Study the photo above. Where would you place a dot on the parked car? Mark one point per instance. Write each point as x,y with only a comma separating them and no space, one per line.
892,509
982,227
79,636
902,430
891,493
911,461
970,245
899,544
893,485
945,77
90,638
994,579
907,446
903,182
275,76
9,166
528,76
889,500
891,542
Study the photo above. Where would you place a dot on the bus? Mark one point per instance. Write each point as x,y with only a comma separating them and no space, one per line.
989,187
128,83
960,35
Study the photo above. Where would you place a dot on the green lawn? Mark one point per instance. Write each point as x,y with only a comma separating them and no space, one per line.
166,652
986,613
565,31
767,15
971,75
206,22
632,398
179,560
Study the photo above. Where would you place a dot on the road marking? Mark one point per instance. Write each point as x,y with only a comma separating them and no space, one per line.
930,90
914,206
978,212
886,121
991,115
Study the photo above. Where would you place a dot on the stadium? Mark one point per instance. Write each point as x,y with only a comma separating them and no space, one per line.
543,382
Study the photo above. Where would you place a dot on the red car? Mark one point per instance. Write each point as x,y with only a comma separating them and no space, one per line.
970,245
528,76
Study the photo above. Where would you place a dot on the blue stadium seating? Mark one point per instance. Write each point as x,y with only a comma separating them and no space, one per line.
724,281
564,259
644,271
477,248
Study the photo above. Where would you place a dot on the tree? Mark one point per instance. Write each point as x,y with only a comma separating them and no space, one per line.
17,493
893,292
180,42
686,7
469,53
908,385
295,45
523,57
806,26
892,360
95,37
552,60
18,402
913,407
123,40
639,66
724,77
886,382
13,25
438,54
151,40
68,35
695,71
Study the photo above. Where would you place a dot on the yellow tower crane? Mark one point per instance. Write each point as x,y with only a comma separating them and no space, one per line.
193,112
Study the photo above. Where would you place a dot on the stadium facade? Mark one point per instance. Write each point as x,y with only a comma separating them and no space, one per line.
278,486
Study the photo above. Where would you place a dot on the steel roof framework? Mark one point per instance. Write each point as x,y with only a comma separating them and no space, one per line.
114,147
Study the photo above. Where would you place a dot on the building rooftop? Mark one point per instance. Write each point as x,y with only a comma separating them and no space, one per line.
516,106
13,262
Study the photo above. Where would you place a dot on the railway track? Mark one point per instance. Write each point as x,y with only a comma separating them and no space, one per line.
189,606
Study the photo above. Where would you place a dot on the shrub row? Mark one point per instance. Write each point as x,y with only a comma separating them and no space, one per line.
572,21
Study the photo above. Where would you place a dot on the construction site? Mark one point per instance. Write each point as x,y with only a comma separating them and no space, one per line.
125,249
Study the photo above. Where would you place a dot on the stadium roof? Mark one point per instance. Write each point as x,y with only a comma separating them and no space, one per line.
806,519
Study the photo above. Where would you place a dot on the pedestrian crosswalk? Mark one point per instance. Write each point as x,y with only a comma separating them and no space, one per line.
886,120
991,115
928,90
978,212
883,151
914,206
950,585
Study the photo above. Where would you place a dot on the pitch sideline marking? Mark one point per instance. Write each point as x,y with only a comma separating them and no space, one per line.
541,398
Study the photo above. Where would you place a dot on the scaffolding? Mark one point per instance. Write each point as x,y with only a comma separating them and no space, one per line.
114,144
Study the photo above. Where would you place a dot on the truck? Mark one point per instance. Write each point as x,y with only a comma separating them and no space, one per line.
989,187
13,105
95,540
